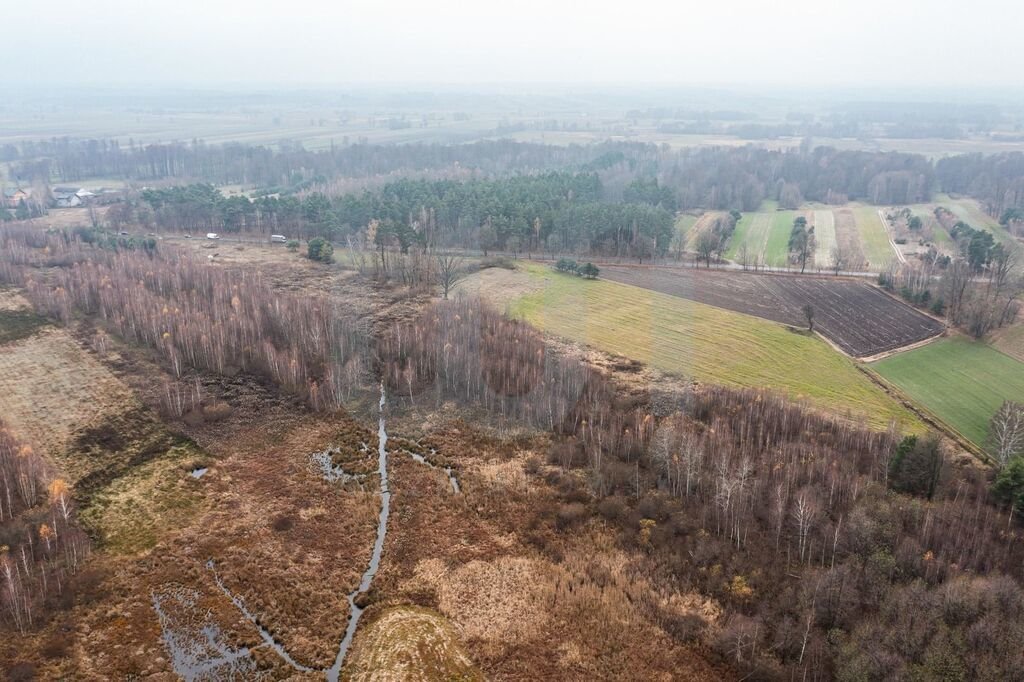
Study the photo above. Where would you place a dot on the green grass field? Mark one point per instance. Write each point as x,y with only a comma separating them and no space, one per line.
960,381
968,211
874,238
776,250
752,229
708,344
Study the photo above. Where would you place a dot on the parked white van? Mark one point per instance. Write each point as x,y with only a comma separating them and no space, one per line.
278,239
212,235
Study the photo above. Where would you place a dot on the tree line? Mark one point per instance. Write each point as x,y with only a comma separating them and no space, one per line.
719,178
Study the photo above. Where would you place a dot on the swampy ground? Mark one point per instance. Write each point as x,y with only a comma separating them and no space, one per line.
495,581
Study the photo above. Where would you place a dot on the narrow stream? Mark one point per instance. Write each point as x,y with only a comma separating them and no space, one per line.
328,470
454,482
355,612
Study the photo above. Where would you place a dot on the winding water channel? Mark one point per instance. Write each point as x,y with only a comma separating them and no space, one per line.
322,463
355,611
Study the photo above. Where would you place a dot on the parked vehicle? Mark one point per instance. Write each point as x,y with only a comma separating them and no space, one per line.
212,235
278,239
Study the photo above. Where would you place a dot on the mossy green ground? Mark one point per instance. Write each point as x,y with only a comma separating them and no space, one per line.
706,343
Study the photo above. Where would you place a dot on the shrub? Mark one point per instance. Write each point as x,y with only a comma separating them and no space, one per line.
589,271
570,515
313,248
293,245
566,265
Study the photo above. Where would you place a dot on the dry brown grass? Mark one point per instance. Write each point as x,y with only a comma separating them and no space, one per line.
498,285
503,601
409,643
50,389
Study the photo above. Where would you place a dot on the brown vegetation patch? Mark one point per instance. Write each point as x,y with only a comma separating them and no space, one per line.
50,389
409,643
499,286
848,239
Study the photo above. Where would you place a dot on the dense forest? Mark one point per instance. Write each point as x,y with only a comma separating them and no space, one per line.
711,178
521,213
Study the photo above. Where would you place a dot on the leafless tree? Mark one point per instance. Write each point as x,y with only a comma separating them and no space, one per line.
838,258
449,272
743,253
1006,432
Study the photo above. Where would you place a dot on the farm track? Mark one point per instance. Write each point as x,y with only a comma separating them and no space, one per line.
895,247
858,318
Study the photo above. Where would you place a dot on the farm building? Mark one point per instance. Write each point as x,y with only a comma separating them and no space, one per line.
66,199
70,197
13,197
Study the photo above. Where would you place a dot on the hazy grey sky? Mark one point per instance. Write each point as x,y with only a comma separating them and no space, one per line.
786,42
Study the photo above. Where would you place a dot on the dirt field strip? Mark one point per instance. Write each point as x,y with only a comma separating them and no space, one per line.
848,238
824,237
859,318
707,221
895,247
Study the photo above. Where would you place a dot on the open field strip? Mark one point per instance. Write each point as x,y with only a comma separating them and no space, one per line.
776,250
874,238
705,343
892,242
684,223
752,230
968,211
706,221
1010,340
962,382
824,237
926,212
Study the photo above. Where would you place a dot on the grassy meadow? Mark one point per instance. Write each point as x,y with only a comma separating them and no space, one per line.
960,381
706,343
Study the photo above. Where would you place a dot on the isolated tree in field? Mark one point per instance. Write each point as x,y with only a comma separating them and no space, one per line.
313,248
838,258
707,243
743,254
801,242
449,272
808,310
1006,432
